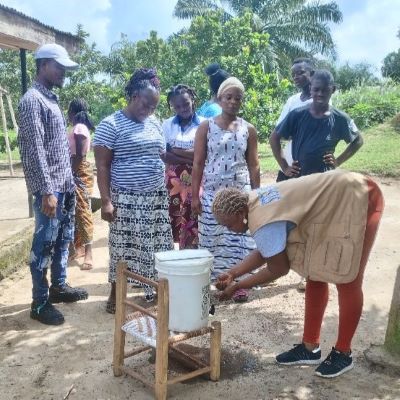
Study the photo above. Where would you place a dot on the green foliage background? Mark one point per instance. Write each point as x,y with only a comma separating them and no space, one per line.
369,105
180,59
235,43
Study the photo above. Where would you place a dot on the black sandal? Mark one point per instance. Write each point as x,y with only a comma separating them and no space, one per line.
110,307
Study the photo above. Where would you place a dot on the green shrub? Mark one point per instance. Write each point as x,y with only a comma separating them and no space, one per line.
369,105
12,137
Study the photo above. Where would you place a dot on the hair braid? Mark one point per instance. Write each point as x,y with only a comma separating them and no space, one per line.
181,89
229,201
79,111
141,79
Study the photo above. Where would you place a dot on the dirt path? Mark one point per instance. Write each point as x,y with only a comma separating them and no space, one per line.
39,362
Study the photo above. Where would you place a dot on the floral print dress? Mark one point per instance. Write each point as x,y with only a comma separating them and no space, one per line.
179,183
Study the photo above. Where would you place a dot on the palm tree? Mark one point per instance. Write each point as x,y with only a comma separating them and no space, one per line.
295,27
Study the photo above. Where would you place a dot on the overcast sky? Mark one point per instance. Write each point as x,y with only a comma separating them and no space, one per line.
367,33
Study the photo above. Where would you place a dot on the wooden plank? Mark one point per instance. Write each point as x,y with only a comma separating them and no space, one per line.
215,351
119,334
141,278
161,377
188,335
5,132
136,351
8,41
139,377
183,357
11,109
140,308
189,375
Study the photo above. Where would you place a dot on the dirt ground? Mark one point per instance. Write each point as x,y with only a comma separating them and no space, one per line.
74,360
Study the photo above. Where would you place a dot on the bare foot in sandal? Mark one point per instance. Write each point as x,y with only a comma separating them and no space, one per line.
240,296
86,266
77,253
88,261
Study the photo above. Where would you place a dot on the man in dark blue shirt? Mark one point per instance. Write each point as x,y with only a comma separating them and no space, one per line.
316,129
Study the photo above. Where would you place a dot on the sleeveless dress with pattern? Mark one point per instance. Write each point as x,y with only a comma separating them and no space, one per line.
225,166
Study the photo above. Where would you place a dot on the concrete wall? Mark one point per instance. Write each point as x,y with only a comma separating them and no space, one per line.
19,31
14,252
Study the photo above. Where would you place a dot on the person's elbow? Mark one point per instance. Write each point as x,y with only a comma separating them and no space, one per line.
358,142
274,138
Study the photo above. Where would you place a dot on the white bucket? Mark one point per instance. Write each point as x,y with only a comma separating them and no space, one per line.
188,274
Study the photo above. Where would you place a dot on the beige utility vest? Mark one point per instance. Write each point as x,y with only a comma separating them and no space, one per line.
330,213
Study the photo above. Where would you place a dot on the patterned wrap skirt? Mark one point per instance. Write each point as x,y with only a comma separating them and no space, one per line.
140,229
227,247
83,211
183,222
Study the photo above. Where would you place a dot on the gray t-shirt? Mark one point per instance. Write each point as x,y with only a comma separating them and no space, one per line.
271,238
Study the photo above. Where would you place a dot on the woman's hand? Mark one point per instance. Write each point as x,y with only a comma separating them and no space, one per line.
330,160
224,280
292,170
108,212
228,291
196,206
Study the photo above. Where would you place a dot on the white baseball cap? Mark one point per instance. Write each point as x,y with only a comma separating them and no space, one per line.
57,53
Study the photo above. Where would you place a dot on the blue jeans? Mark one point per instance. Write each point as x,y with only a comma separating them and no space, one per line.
50,243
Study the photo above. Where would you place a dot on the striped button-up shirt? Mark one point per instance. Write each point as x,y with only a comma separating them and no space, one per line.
43,142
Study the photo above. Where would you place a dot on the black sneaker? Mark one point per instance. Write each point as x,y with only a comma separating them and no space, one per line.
46,314
337,363
66,294
299,355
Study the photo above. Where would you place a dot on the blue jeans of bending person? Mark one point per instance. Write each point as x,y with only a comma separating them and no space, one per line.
50,245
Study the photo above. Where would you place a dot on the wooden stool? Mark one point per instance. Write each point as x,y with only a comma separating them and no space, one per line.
151,328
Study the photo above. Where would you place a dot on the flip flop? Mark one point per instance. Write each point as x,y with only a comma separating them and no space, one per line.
110,307
75,256
86,266
240,296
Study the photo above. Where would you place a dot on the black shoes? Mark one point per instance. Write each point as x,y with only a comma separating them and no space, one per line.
299,355
66,294
46,314
337,363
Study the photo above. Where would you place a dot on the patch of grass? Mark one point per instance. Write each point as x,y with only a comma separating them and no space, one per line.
380,154
14,155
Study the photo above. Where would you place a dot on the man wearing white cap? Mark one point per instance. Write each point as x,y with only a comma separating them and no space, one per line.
45,158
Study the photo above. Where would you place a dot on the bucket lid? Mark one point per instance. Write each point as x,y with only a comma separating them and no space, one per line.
177,255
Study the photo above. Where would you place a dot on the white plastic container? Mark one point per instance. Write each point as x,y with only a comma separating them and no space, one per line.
188,273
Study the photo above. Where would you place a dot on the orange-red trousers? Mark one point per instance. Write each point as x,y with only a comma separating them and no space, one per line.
350,294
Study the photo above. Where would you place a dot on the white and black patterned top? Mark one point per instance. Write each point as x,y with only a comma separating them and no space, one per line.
226,164
43,142
136,163
181,138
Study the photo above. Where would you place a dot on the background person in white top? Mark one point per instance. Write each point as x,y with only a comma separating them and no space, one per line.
179,132
302,71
